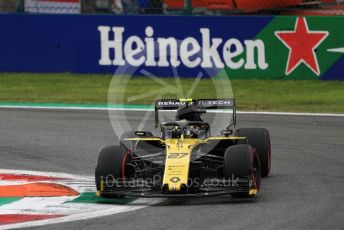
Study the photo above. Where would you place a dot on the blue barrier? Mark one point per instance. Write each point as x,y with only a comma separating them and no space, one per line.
86,44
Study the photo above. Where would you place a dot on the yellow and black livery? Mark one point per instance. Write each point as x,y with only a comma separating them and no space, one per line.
185,159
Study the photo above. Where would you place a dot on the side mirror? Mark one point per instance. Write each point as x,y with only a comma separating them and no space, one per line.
227,132
143,134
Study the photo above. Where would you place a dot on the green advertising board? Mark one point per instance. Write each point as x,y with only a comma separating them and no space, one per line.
299,48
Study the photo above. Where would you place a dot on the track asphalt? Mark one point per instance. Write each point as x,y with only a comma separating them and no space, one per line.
305,189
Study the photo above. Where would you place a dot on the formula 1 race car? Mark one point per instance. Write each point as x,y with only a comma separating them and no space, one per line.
185,160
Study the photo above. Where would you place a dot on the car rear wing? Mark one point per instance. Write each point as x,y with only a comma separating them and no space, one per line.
202,104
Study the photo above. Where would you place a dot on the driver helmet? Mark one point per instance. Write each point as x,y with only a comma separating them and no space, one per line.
189,113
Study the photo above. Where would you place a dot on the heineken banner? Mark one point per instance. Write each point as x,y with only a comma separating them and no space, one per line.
250,47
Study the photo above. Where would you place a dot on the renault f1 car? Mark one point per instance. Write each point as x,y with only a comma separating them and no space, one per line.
186,160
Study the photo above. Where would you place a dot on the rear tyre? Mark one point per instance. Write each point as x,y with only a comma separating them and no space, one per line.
242,161
111,162
259,138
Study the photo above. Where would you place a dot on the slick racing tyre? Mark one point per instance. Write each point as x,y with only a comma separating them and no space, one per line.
259,138
241,161
111,162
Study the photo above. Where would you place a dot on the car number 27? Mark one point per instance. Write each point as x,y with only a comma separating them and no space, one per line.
177,155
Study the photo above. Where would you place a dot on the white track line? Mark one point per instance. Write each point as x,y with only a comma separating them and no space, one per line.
82,216
292,113
145,110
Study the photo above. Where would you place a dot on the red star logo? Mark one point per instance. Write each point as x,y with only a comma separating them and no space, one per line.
302,44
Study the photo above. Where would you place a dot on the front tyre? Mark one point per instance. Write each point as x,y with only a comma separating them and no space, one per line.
111,162
241,161
259,138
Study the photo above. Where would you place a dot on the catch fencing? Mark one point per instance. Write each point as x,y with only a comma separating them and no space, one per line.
177,7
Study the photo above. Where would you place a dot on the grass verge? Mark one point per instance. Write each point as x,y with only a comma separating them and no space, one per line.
253,95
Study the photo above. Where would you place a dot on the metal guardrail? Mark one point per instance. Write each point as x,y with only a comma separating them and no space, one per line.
207,7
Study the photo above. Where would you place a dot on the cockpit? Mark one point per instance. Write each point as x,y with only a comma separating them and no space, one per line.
172,130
